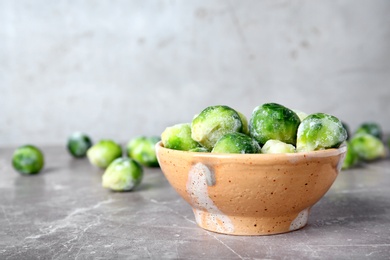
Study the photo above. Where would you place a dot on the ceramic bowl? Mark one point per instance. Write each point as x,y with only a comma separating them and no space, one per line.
251,194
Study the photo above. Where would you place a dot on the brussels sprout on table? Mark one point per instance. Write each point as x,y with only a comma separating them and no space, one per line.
123,174
368,147
236,143
142,149
178,137
78,144
276,146
320,131
28,160
274,121
103,153
370,128
214,122
351,157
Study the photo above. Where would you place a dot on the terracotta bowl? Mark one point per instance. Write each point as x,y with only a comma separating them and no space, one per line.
251,194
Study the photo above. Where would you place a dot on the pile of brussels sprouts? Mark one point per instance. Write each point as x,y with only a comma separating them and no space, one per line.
366,144
272,128
121,173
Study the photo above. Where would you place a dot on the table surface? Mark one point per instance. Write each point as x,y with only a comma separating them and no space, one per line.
63,212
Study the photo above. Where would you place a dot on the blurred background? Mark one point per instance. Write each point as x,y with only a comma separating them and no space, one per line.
117,69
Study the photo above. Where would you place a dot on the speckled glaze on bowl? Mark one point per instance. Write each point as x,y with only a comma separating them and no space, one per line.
251,194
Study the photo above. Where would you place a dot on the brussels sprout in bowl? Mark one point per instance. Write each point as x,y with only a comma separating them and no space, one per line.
251,194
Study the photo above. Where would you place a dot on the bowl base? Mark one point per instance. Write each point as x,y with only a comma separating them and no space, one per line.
250,225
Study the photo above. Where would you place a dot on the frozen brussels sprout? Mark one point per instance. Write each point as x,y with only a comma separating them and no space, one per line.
214,122
300,114
123,174
274,121
320,131
142,149
276,146
178,137
28,159
78,144
368,147
244,120
236,143
370,128
103,153
351,157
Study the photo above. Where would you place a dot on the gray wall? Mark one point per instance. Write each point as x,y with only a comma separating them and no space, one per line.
117,69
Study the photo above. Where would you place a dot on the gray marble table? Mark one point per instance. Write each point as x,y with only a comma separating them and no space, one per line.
64,213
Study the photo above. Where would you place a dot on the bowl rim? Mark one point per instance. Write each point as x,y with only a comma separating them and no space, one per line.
318,153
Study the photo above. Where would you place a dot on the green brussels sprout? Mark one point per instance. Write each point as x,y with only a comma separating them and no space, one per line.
244,120
214,122
178,137
236,143
199,149
368,147
300,114
28,159
103,153
78,144
276,146
351,157
320,131
142,149
346,127
370,128
123,174
274,121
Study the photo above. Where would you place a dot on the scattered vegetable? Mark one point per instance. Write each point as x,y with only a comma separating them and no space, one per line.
103,153
142,149
123,174
78,144
28,159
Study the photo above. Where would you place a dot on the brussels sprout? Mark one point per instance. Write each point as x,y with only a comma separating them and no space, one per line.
236,143
300,114
214,122
370,128
351,157
368,147
142,150
274,121
244,120
28,159
103,153
276,146
78,144
320,131
123,174
199,149
178,137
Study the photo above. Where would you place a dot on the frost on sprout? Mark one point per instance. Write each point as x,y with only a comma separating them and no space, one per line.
213,122
276,146
320,131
